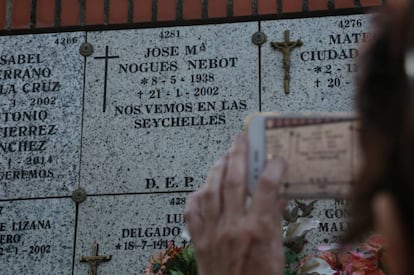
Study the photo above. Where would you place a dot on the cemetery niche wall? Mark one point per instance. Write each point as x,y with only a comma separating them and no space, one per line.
103,134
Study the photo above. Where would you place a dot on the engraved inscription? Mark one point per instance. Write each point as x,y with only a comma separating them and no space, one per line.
336,222
156,237
178,104
131,236
40,103
321,70
31,233
170,106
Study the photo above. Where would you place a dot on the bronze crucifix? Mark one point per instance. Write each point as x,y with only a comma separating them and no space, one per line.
95,260
286,47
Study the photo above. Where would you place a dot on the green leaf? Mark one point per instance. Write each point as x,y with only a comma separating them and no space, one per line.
290,272
291,259
156,267
184,263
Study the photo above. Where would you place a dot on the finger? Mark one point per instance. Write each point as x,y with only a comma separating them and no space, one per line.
234,184
211,197
265,197
281,204
192,215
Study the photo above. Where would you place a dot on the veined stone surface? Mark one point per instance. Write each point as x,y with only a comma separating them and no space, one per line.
41,78
321,70
37,236
157,108
174,99
131,228
329,220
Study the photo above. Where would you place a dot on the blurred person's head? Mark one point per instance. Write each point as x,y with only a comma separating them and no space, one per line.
384,194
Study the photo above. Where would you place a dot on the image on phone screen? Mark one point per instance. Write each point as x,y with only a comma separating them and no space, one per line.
321,153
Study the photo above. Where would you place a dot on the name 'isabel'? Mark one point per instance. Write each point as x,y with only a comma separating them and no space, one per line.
20,59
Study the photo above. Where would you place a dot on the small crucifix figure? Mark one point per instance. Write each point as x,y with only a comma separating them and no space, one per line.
95,260
106,57
286,47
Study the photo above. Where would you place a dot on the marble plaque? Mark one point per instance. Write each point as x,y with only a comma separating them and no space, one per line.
321,70
131,228
161,105
37,236
330,221
41,78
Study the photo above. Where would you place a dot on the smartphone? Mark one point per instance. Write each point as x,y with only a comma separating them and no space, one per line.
321,152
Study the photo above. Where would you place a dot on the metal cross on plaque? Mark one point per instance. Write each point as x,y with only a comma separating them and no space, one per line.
286,47
95,260
106,57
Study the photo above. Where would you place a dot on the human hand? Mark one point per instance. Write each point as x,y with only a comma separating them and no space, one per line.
229,236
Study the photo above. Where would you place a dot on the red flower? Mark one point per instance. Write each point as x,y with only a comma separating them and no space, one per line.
365,260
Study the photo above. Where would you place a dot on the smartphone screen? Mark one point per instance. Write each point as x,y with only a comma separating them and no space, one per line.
321,153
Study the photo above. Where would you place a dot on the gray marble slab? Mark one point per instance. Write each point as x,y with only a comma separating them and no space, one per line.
322,73
321,70
37,236
41,79
130,228
174,99
330,219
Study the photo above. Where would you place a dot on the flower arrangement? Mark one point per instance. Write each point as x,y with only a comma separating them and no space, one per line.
173,261
366,258
297,223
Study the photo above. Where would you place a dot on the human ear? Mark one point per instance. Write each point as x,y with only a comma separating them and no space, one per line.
388,222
